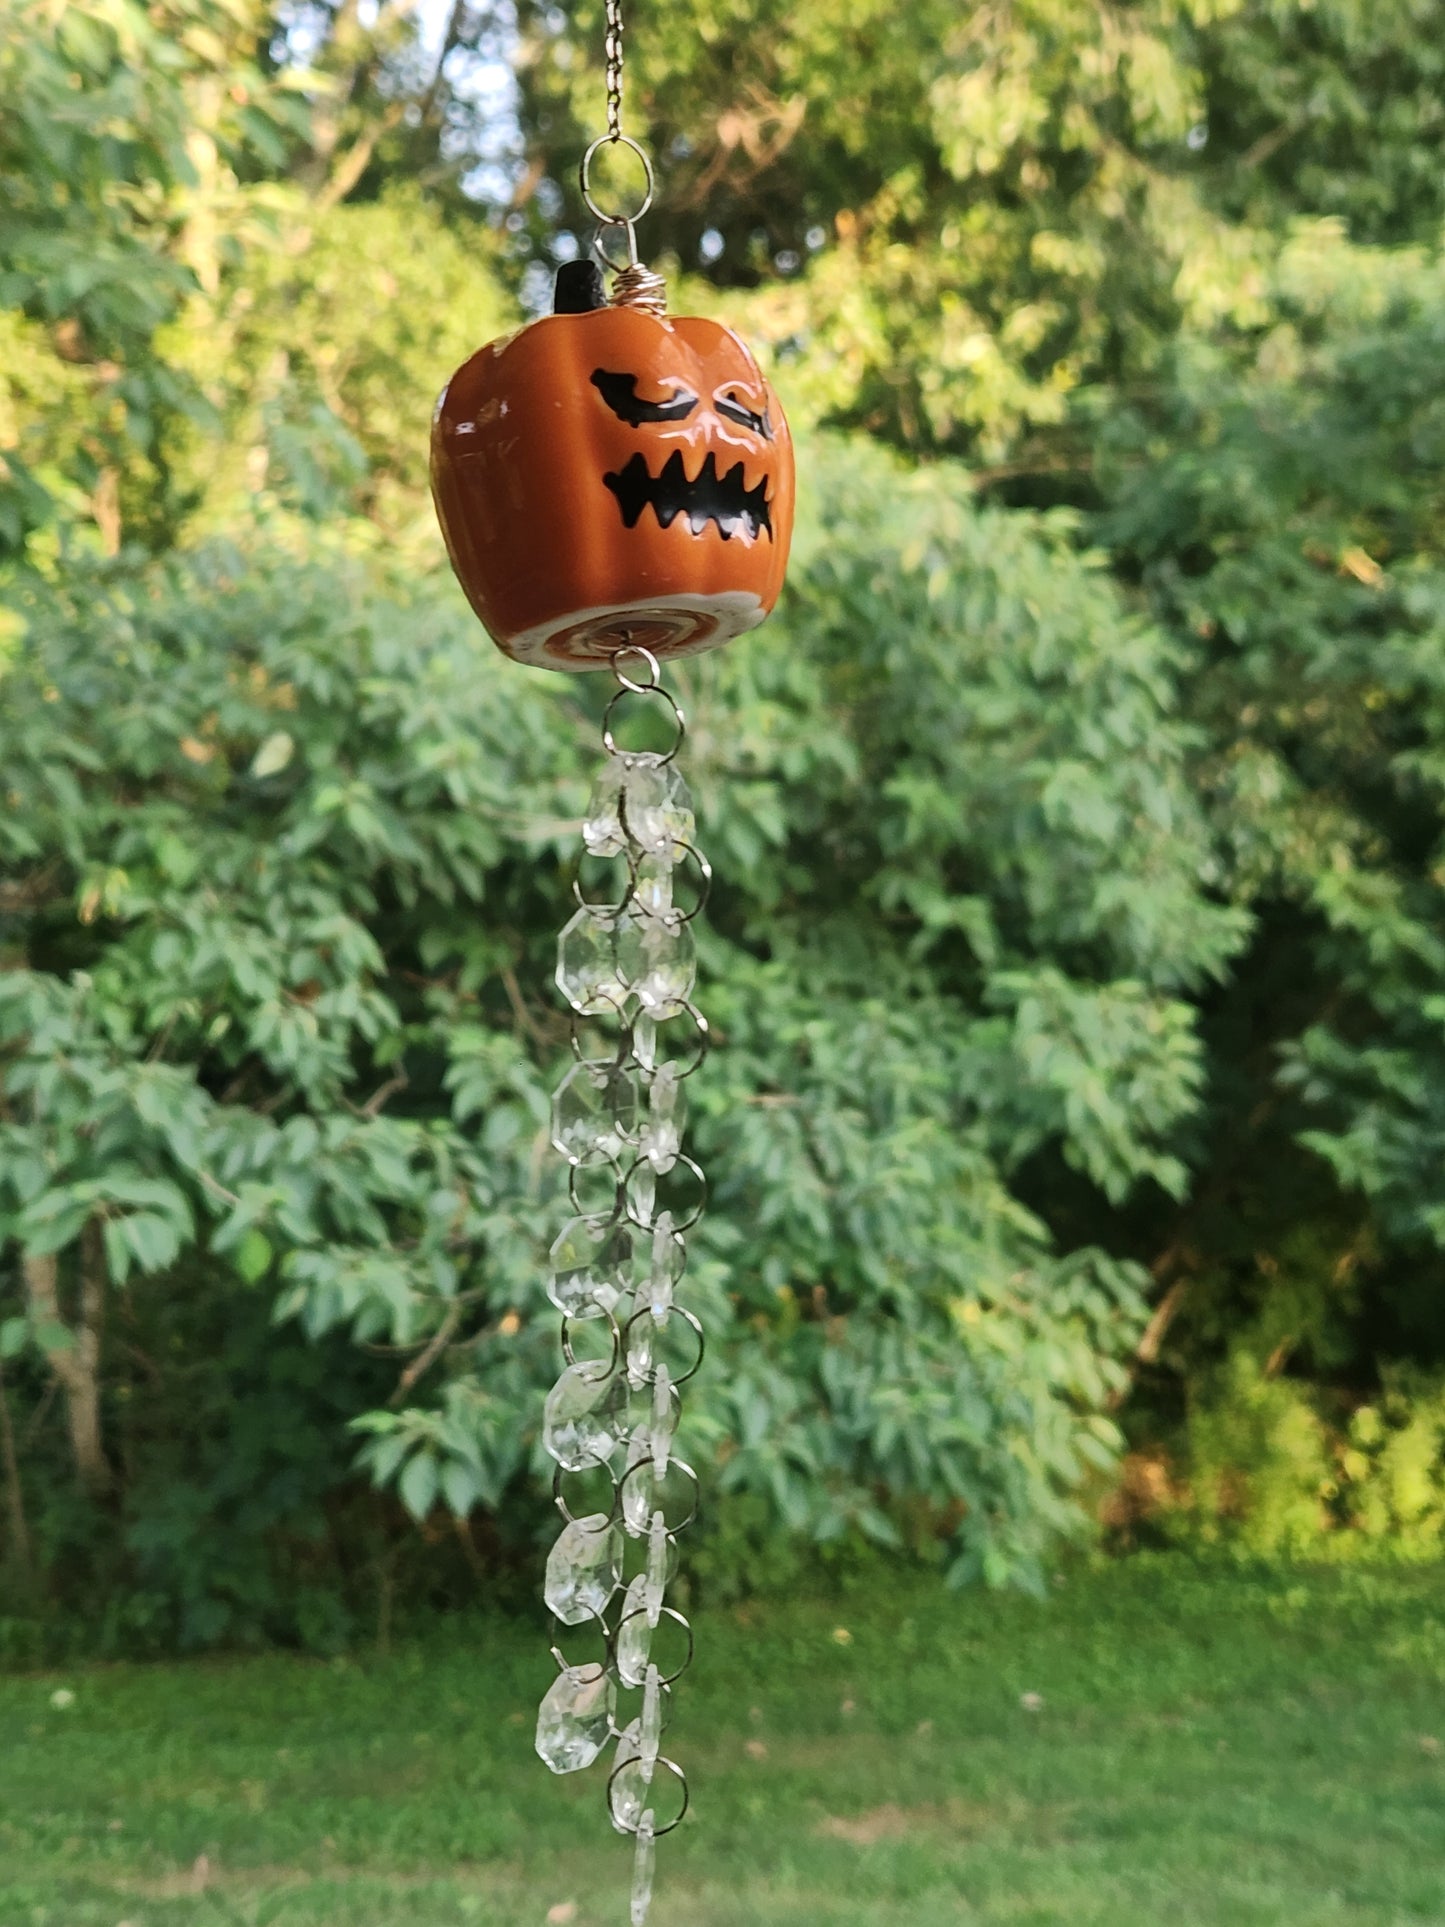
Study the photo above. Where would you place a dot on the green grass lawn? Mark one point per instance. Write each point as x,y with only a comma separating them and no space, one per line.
1205,1747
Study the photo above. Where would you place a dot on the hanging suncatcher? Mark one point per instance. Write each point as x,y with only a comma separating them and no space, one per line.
616,489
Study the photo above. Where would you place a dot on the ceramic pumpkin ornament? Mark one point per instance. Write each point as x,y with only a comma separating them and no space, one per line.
610,479
616,489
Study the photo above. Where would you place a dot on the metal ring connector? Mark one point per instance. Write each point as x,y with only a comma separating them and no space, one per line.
625,1826
704,869
599,247
584,177
654,669
607,1366
559,1497
694,1324
701,1044
581,1208
678,1619
621,1056
673,1465
609,741
681,1162
591,1619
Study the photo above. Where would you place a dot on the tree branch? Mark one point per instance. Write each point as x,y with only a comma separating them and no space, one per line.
345,173
77,1367
15,1491
435,1346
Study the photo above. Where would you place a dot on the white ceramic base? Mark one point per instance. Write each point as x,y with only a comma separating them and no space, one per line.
677,625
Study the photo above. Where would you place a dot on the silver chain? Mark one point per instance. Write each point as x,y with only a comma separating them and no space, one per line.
614,70
637,286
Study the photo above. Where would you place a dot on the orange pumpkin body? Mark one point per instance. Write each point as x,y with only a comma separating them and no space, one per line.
612,479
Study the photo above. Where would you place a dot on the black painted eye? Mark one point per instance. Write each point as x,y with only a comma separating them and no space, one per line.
737,411
620,394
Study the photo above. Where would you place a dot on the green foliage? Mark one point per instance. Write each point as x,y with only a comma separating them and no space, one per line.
242,1524
337,343
1265,1470
1259,1461
1077,819
968,230
119,118
286,838
1282,508
281,846
1393,1469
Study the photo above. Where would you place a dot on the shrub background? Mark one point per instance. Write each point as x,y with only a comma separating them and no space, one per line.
1077,957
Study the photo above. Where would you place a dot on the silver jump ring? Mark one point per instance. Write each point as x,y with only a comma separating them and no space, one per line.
654,669
559,1498
609,1640
673,1465
689,1318
702,1043
704,873
584,177
611,1364
699,1047
669,1612
657,1832
579,1209
620,1058
609,741
604,909
680,1224
599,246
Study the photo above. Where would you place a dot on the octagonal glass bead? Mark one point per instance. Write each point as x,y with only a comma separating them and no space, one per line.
574,1721
594,1114
581,1414
583,1569
587,962
591,1262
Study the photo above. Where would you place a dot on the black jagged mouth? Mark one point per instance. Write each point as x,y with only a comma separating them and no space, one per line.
723,499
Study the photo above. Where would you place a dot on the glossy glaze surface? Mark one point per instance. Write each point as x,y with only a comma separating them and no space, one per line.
608,478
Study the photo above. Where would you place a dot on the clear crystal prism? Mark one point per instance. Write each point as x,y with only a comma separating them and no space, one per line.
656,959
587,973
639,1353
652,886
634,1634
639,1483
663,1424
602,831
669,1255
594,1114
591,1259
642,1192
665,1120
620,1119
583,1569
657,810
628,1789
644,1866
575,1718
644,1040
579,1418
659,1547
649,1734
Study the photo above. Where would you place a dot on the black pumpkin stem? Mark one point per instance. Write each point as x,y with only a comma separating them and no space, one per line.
580,288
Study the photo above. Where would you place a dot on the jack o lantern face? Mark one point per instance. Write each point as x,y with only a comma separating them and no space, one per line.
609,478
724,499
